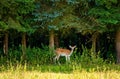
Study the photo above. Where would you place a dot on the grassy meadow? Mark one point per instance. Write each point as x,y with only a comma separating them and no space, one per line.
60,72
39,64
51,75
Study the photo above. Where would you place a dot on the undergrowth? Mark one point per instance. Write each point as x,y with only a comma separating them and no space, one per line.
41,59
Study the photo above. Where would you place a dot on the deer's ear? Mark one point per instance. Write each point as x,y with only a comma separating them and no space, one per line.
75,46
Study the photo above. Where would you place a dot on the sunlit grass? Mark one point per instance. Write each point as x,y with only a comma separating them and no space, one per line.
52,75
59,72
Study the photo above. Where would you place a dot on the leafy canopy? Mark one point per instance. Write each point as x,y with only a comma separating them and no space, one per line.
15,14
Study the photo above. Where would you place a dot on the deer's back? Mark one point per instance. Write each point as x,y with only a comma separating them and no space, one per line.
61,51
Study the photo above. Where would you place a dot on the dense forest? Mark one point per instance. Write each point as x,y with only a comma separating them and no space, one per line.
92,25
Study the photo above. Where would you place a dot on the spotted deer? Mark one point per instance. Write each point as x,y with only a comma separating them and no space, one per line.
64,52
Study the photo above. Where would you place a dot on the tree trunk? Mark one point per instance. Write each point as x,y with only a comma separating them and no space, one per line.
118,46
51,40
94,40
5,45
23,44
56,41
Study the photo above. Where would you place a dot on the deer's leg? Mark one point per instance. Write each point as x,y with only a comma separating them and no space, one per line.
69,58
66,58
56,58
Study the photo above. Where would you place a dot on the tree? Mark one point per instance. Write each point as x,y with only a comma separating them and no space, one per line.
51,15
25,19
15,16
98,16
107,13
5,16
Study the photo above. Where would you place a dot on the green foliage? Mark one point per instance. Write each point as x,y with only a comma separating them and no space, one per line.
50,13
39,56
14,15
3,25
34,56
88,57
28,6
97,15
107,3
105,16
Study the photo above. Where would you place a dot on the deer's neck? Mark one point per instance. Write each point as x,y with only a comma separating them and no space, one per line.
71,52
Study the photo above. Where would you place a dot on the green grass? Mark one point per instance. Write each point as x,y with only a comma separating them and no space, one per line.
64,71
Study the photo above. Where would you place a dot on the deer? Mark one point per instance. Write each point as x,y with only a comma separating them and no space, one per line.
64,52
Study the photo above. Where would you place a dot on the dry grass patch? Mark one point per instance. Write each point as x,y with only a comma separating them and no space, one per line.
51,75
